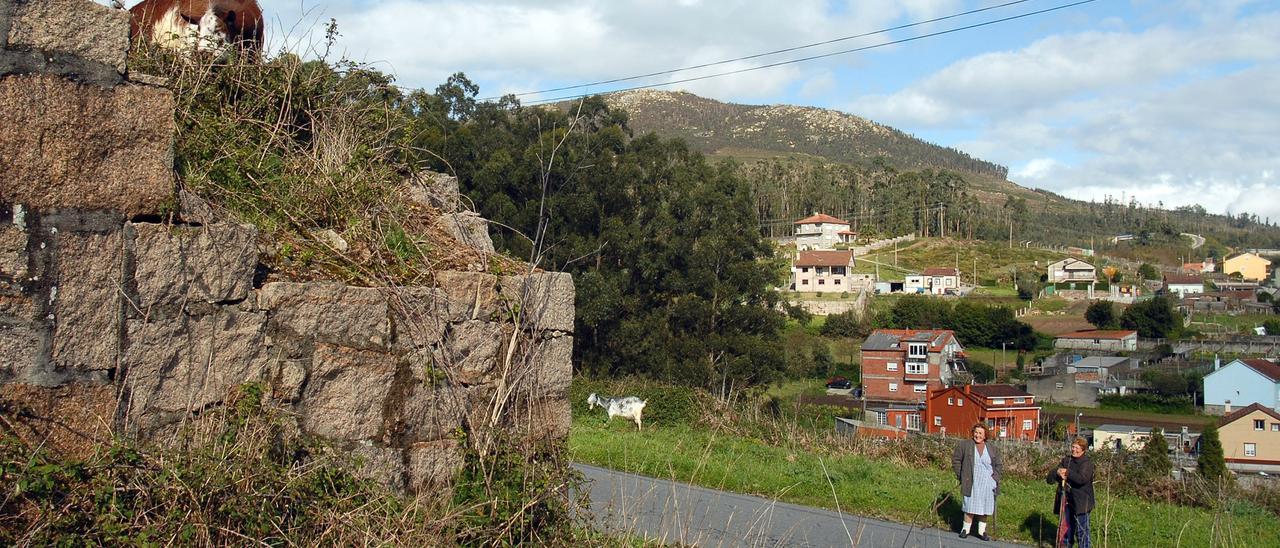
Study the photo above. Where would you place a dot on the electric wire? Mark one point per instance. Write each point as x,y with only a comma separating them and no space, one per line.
814,57
765,54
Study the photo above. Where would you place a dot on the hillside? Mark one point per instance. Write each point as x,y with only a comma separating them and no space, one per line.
805,159
747,131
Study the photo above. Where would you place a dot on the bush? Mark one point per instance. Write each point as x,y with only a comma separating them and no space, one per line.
846,324
1152,403
666,404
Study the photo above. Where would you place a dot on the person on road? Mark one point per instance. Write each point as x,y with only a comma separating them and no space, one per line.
1074,476
977,465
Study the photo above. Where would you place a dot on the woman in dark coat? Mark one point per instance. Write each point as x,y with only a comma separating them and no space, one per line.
1076,472
977,465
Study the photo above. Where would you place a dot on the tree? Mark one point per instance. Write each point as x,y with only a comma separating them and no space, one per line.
1211,464
1272,326
1155,455
1102,314
1153,319
1149,272
846,324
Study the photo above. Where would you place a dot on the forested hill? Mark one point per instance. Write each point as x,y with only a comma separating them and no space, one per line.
731,129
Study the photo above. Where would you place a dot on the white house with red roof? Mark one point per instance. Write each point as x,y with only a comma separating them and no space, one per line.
1108,340
822,271
935,281
821,231
1241,383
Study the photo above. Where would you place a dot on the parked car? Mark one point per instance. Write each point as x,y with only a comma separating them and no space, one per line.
839,383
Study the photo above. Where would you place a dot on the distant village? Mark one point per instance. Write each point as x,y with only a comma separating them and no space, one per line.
917,380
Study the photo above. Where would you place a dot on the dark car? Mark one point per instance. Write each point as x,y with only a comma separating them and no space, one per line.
840,383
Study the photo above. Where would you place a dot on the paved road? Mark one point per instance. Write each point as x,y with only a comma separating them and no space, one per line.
683,514
1196,240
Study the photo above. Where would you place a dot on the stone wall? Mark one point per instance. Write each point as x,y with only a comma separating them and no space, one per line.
114,322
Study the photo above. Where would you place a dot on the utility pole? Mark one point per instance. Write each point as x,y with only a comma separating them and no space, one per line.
1011,233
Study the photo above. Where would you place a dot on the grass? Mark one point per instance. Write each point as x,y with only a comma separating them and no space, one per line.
993,262
1228,323
898,492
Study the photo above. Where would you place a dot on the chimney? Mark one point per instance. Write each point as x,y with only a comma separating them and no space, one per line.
1217,362
966,388
1226,407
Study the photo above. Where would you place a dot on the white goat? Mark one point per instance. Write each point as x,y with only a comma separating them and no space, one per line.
629,407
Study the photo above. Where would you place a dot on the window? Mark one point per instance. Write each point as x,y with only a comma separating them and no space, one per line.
914,349
937,420
1259,424
837,282
893,387
997,401
1026,424
838,270
960,402
1275,427
1250,449
1057,386
804,282
891,366
913,422
951,401
822,282
1020,400
920,388
804,269
917,368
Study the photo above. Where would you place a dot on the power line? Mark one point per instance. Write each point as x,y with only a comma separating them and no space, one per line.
813,57
765,54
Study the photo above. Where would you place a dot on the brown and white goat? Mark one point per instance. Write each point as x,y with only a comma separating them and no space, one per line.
202,25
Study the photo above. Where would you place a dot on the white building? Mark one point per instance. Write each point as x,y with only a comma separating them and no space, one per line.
1072,270
822,271
821,231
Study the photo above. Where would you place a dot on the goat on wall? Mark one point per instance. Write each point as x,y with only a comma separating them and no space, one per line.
214,26
629,407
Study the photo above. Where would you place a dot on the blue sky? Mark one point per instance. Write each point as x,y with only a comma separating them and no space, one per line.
1171,101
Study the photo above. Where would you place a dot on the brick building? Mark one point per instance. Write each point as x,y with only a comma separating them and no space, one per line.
904,364
1011,412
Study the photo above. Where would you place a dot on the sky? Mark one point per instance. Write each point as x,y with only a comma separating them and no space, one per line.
1173,102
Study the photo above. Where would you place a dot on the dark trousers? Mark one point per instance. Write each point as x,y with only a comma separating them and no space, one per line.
1077,529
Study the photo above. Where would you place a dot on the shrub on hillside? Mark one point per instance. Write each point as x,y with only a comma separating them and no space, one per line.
846,324
1152,403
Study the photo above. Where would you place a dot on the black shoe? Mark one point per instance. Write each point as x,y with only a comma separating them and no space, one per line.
982,536
964,534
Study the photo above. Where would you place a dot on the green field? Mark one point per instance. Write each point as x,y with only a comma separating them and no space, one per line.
899,491
994,263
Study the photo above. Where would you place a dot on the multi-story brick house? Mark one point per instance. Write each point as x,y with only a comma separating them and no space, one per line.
822,271
904,364
1010,412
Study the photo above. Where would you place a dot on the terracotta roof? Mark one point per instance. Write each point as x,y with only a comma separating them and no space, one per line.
998,391
1183,279
1232,416
1099,334
821,218
888,339
847,232
1264,367
824,258
941,271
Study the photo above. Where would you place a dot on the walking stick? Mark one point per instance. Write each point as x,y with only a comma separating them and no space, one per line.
1062,515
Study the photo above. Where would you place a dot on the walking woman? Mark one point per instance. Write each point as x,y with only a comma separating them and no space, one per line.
977,466
1074,476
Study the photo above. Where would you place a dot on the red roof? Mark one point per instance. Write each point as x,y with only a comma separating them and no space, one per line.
1266,368
847,233
824,258
1232,416
998,391
821,218
1100,334
941,271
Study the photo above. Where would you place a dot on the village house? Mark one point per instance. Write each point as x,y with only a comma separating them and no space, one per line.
1251,439
903,364
1248,265
934,281
1011,413
1108,340
1076,380
1199,268
1183,284
822,271
1071,270
821,231
1241,383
